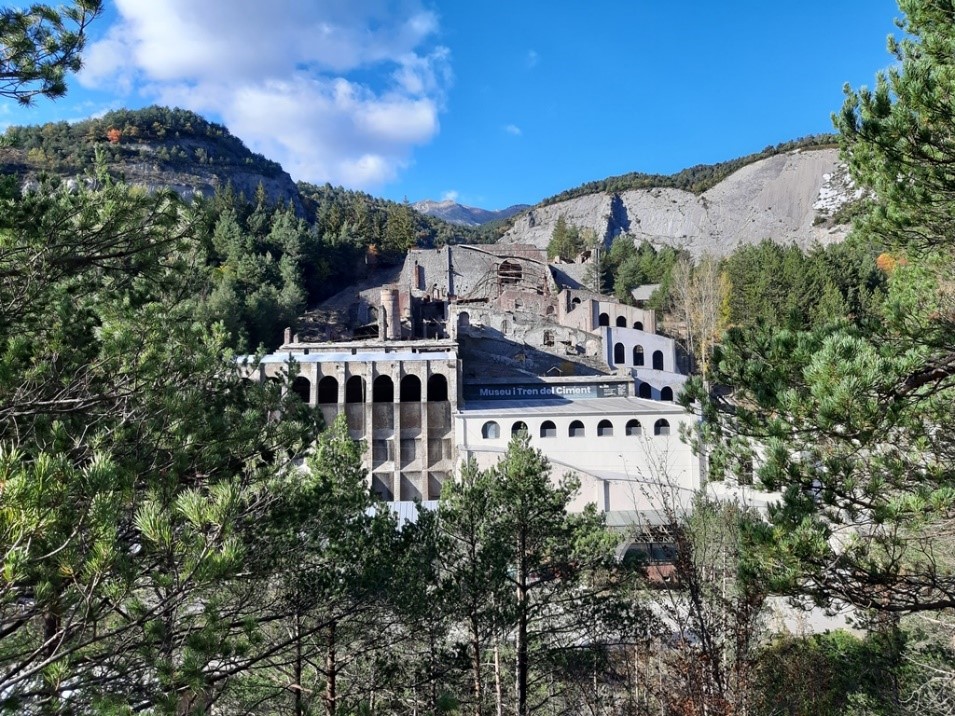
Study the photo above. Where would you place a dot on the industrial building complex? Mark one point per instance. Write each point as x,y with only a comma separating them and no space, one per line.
471,344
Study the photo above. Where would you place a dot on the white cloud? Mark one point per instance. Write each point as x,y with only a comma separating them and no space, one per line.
450,195
339,91
513,130
532,58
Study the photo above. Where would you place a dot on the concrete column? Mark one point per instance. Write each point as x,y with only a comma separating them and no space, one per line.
392,316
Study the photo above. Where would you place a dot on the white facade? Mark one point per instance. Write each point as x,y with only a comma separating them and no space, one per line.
623,467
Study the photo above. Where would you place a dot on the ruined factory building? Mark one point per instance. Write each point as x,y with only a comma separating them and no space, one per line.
469,344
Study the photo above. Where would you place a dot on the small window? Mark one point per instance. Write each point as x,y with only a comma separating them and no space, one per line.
637,325
666,393
604,319
661,427
633,428
638,355
576,429
548,429
619,354
490,430
548,338
657,360
519,427
621,321
575,301
509,273
604,429
645,391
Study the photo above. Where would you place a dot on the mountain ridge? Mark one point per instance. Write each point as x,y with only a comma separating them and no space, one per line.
792,197
456,213
791,193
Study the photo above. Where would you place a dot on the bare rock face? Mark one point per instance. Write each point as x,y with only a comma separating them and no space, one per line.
787,198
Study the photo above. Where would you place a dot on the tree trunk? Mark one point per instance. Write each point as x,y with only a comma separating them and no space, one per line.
299,706
476,666
330,673
521,642
497,680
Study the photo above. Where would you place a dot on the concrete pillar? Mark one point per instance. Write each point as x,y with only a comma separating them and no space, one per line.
390,315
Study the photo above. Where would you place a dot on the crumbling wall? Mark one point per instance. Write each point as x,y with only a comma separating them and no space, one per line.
524,341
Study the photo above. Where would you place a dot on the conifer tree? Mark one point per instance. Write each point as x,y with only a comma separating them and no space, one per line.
853,420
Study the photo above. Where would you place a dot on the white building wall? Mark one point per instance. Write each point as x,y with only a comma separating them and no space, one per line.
618,472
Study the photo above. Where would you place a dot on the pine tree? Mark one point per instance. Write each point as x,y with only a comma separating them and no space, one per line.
41,44
853,419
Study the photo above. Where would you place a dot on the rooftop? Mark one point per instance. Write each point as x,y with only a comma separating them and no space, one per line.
553,406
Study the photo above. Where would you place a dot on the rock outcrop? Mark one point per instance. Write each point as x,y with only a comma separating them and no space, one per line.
788,198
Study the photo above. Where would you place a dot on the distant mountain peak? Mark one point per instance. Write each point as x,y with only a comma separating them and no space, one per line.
449,210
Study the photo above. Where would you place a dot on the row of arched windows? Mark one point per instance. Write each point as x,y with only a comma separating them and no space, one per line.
645,390
604,320
382,389
620,356
548,429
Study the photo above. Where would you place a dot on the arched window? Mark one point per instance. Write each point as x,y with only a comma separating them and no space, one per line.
619,354
437,388
661,427
633,427
621,321
355,389
575,301
518,427
464,319
490,430
550,311
603,320
638,355
645,391
383,390
657,360
328,390
302,388
548,429
509,272
604,429
638,325
666,393
410,391
576,429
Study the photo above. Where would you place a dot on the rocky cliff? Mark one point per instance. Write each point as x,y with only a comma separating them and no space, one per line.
790,198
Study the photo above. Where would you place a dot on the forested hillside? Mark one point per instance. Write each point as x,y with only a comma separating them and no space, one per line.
268,249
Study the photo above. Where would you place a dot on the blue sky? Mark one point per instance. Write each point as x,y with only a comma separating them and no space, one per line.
491,103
